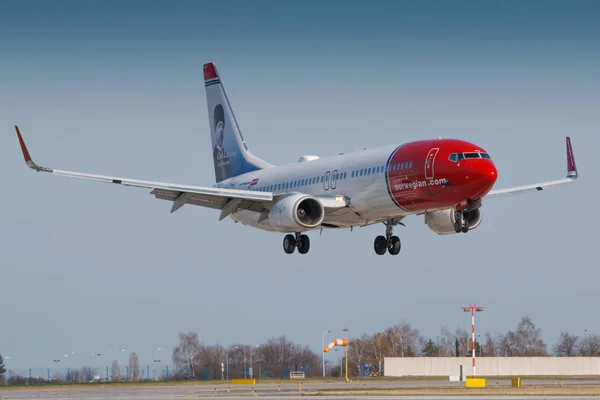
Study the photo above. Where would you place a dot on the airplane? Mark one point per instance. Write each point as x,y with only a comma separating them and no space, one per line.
445,180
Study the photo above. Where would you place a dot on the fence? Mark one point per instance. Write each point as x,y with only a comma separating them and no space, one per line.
32,376
155,372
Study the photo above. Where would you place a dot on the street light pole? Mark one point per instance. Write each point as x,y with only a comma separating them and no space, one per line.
324,352
346,330
251,372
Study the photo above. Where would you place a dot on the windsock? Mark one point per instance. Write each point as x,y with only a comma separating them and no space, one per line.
336,342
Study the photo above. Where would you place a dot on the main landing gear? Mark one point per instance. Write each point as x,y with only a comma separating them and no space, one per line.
461,224
290,242
388,242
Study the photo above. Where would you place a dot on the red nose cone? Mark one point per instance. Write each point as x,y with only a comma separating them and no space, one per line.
492,173
487,175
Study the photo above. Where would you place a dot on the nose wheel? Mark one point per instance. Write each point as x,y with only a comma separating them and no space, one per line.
461,224
388,242
290,242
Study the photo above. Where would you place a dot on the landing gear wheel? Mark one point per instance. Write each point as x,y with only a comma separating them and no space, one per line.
465,227
380,245
289,244
457,227
303,244
394,245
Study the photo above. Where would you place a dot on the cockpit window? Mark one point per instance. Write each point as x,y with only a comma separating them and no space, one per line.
471,155
457,157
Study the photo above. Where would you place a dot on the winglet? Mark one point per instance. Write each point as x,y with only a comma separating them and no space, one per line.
26,154
571,167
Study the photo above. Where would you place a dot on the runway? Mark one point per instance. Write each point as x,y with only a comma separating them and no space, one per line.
407,390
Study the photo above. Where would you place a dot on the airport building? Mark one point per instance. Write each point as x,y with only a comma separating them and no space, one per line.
491,366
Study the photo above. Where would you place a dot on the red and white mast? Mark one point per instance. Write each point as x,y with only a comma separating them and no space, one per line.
473,308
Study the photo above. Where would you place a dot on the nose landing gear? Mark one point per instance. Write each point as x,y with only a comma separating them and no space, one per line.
388,242
461,224
290,242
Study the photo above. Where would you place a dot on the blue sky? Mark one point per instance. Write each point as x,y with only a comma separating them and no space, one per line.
117,88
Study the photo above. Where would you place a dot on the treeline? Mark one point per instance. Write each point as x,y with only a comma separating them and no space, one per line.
402,340
278,356
366,354
275,358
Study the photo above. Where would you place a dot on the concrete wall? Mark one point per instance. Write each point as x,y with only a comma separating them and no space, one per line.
491,366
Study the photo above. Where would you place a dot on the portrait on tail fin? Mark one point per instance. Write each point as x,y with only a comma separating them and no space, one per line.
222,162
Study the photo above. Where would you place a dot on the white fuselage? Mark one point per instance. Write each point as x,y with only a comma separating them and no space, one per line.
331,176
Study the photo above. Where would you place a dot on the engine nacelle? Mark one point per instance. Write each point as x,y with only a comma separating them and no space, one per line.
442,222
296,213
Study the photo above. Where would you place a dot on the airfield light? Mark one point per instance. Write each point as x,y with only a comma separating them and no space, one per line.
473,309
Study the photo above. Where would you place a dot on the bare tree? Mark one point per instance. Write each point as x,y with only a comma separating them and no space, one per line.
589,346
445,343
187,353
529,338
115,372
566,346
526,341
464,342
377,344
134,366
508,345
490,346
402,340
2,367
357,353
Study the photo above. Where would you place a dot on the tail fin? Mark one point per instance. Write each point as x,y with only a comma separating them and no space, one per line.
230,152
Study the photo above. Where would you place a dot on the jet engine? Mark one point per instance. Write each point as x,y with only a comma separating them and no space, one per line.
296,213
442,221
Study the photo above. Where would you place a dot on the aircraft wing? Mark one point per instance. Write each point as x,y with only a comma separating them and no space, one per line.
227,200
571,177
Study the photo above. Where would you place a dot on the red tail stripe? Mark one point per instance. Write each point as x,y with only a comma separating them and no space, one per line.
210,72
